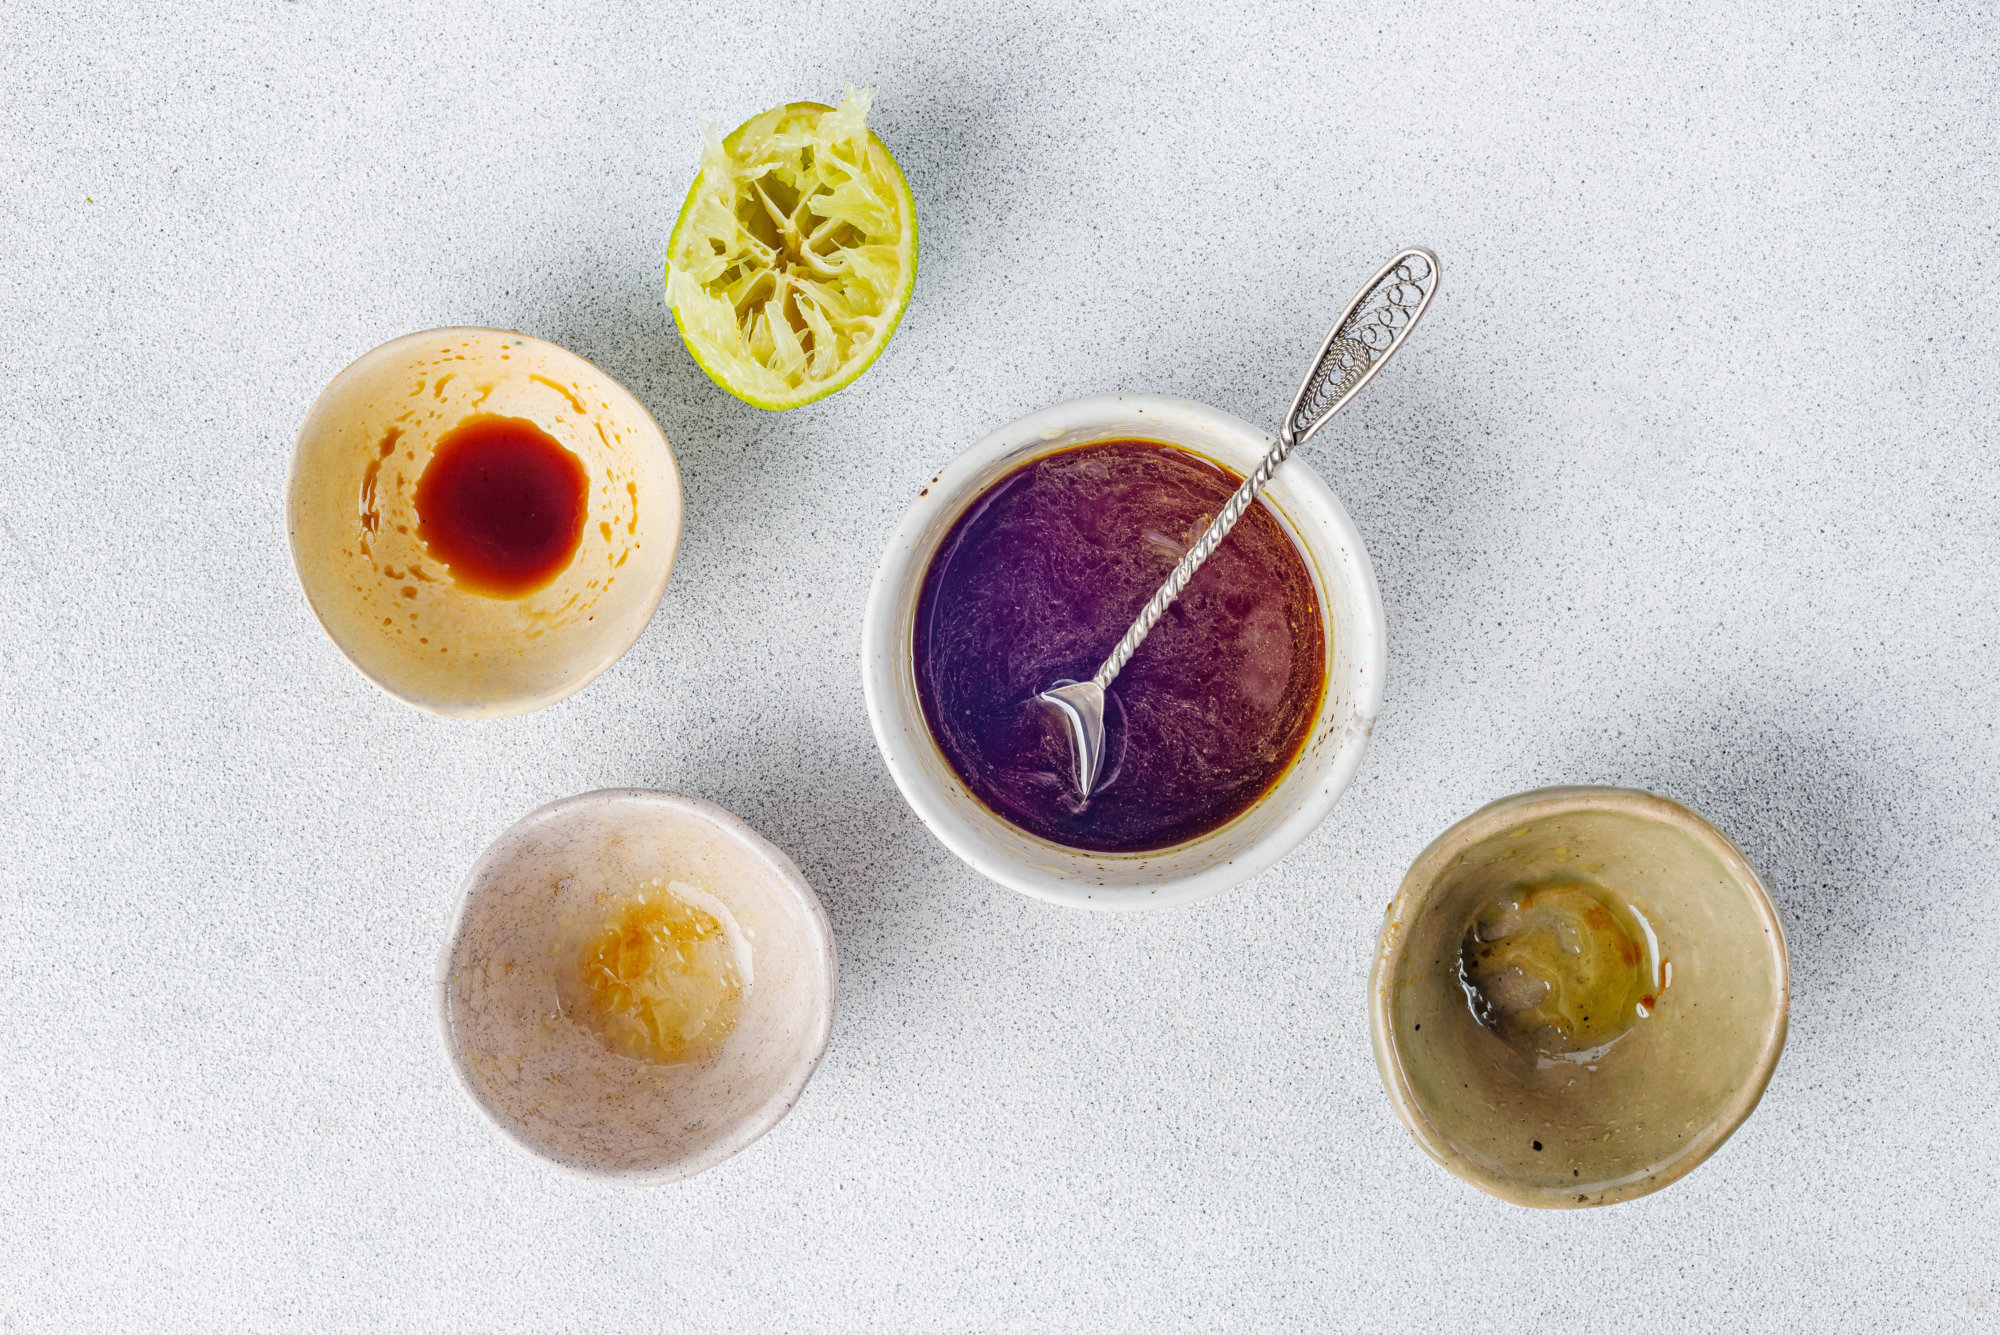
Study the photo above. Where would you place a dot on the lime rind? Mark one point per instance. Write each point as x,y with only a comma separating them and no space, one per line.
794,254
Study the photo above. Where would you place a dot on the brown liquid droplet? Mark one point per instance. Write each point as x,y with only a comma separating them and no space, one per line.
563,390
371,518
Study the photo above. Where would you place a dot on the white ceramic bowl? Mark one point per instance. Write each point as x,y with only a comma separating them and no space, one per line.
1351,611
550,1087
391,607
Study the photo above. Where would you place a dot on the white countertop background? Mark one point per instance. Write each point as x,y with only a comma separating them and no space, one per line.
1687,482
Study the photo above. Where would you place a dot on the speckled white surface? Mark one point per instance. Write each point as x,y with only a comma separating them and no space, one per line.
1688,482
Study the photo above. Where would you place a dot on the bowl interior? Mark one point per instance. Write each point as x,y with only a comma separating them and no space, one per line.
1351,613
1573,1132
549,1084
391,607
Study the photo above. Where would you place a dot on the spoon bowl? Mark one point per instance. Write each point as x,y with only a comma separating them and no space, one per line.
1080,704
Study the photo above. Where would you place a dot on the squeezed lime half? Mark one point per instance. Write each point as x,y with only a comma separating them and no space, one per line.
795,253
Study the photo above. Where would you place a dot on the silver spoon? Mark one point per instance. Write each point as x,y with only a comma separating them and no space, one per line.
1366,336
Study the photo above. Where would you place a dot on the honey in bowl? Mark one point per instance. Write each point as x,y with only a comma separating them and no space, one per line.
661,979
596,989
1551,968
1037,581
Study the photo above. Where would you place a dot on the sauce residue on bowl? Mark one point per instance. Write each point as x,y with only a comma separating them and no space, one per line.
661,977
502,504
1037,581
1561,969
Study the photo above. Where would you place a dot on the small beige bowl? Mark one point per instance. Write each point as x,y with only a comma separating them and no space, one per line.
392,608
1561,1133
547,1084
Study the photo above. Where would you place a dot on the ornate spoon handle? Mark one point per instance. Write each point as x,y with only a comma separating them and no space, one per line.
1367,334
1361,341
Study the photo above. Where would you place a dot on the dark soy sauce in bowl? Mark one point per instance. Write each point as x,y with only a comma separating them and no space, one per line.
501,503
1037,581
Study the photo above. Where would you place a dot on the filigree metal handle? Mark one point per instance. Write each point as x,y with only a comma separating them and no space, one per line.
1360,343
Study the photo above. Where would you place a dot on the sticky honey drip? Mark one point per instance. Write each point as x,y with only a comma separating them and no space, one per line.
658,982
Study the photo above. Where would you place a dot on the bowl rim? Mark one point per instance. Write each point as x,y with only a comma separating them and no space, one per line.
1140,415
1414,893
512,707
762,1118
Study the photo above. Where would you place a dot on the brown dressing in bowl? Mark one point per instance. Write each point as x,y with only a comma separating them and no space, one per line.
1038,580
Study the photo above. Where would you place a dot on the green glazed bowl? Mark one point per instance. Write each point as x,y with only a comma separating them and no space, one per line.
1569,1133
